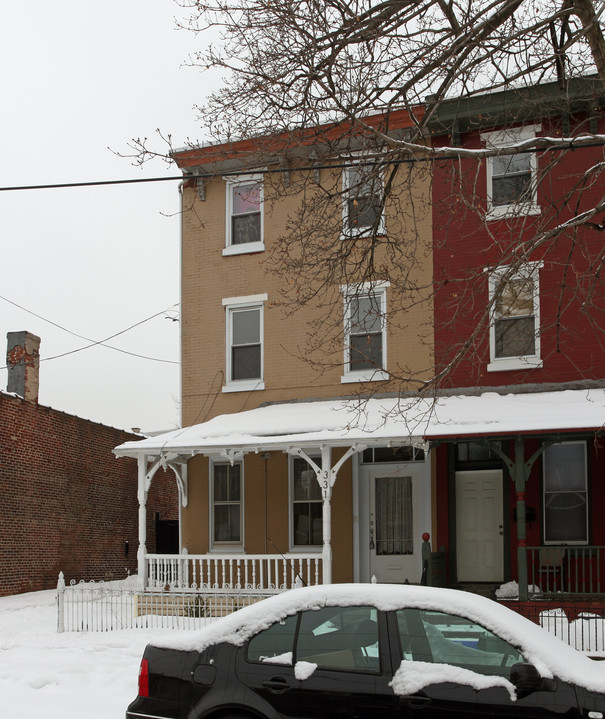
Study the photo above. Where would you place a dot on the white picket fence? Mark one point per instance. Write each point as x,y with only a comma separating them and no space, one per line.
109,606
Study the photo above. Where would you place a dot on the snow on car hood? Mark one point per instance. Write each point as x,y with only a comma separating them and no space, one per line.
550,656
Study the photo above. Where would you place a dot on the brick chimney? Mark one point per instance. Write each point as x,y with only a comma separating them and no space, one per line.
23,362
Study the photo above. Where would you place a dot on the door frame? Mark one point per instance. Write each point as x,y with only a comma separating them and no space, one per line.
453,518
361,476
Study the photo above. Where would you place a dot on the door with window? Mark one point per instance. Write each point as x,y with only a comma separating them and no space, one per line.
479,526
396,510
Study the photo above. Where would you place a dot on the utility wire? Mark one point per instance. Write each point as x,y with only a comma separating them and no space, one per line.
94,343
571,145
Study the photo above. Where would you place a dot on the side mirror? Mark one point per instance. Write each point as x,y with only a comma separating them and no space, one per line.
526,679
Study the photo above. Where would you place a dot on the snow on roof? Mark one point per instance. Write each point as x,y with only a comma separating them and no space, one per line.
383,420
550,656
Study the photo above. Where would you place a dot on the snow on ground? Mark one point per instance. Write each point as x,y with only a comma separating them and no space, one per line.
64,676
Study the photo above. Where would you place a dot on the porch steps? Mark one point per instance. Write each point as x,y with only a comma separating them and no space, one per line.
190,604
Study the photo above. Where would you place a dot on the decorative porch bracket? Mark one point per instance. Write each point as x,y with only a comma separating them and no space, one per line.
519,471
326,478
145,477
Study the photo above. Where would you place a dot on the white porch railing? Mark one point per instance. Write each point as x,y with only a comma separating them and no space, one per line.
223,572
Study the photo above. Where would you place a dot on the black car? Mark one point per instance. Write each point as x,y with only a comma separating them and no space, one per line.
367,651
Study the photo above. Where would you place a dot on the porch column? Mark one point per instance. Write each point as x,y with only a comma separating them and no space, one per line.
519,479
326,493
142,497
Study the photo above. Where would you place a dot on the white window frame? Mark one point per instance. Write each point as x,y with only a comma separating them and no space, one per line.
352,292
232,305
503,364
301,547
587,517
348,232
510,138
248,247
216,546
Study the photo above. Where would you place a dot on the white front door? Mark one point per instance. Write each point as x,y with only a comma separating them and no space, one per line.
479,526
396,523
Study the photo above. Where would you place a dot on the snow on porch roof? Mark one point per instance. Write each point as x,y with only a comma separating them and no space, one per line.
380,421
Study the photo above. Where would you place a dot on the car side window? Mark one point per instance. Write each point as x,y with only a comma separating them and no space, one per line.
442,638
274,645
342,638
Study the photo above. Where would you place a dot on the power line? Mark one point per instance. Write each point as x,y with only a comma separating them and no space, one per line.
94,183
94,343
571,145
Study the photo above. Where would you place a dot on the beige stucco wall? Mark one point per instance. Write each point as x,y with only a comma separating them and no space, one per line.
208,277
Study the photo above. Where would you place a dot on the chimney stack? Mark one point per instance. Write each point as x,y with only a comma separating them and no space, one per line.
23,362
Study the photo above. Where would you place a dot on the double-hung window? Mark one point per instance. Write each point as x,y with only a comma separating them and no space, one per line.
244,364
365,332
565,493
515,319
363,200
307,506
244,215
511,177
227,504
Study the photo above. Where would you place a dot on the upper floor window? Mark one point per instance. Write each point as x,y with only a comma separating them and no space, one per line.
565,493
515,320
511,178
365,332
244,215
244,317
363,199
226,503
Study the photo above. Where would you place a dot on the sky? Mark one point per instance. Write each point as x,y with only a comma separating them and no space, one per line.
79,81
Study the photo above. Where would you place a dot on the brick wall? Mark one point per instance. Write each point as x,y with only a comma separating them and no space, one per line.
66,503
571,303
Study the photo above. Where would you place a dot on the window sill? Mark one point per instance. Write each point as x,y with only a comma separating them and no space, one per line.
306,549
514,363
245,249
360,234
227,549
245,385
365,376
507,212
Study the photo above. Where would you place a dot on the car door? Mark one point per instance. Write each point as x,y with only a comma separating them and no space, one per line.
339,666
466,669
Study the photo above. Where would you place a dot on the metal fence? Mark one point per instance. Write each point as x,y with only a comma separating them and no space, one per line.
102,607
564,569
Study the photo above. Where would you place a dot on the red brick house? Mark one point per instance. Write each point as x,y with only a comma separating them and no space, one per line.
66,504
503,241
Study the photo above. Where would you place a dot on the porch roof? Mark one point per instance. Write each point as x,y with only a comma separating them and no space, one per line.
407,420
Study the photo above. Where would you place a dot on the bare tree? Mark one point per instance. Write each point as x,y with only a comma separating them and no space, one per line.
321,84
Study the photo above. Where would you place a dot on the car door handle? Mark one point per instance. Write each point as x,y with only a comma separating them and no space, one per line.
417,701
277,684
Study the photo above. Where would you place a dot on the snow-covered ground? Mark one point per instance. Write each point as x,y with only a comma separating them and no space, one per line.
64,676
83,674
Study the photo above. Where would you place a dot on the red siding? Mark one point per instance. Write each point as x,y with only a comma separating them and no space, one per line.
571,308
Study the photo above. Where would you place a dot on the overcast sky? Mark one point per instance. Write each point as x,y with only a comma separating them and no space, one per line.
79,78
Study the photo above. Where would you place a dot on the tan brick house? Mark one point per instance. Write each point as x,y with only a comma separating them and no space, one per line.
246,344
